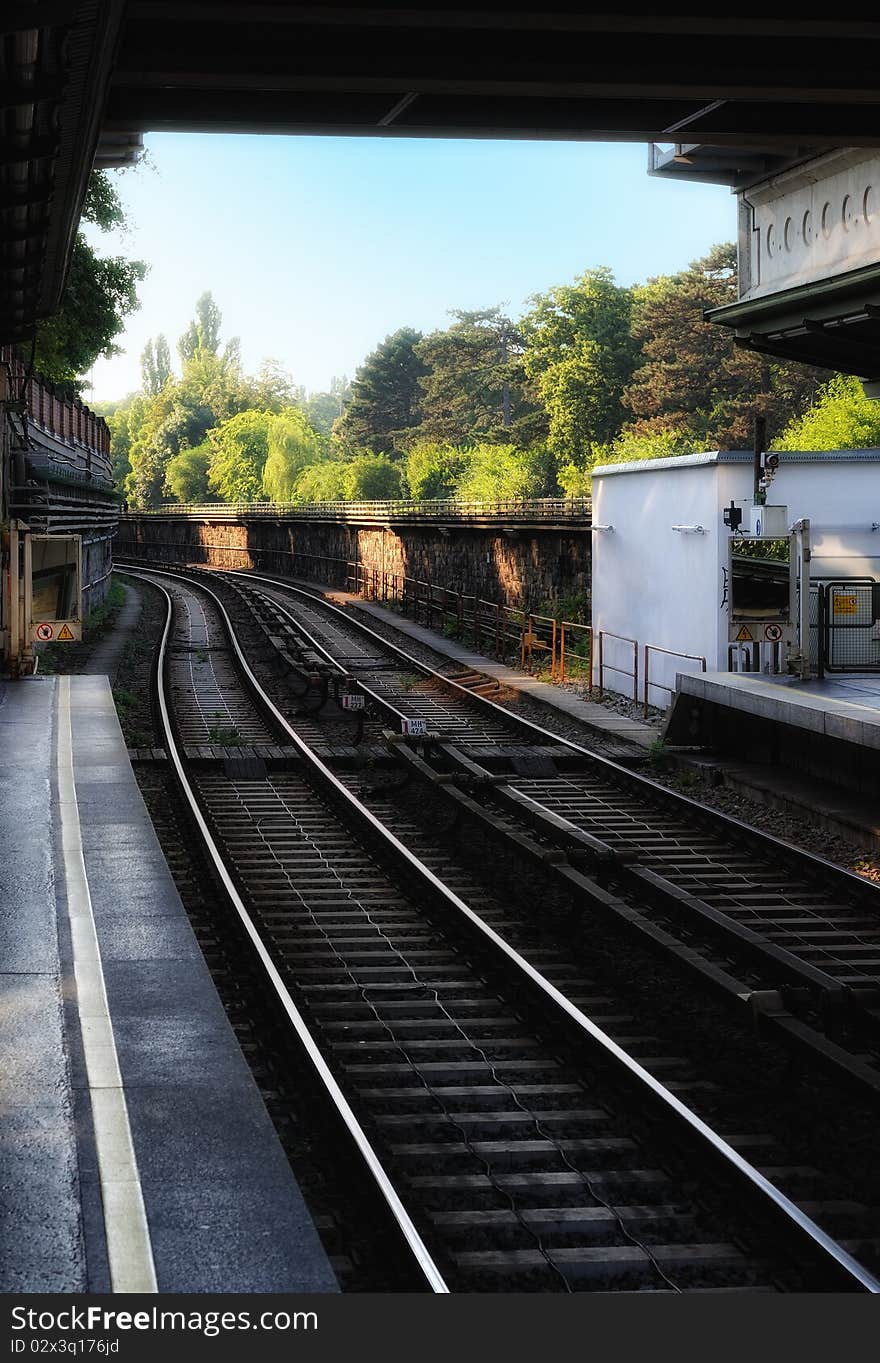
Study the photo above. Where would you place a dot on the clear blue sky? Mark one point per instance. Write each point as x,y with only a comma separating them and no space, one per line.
315,248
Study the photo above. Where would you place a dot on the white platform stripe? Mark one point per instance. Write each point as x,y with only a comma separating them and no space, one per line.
129,1250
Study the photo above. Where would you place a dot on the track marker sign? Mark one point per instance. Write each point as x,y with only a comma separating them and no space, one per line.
414,728
352,700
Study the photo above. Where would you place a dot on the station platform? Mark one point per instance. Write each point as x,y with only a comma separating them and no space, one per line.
136,1153
828,730
841,707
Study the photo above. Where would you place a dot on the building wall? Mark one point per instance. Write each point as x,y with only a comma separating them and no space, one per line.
669,588
651,583
530,567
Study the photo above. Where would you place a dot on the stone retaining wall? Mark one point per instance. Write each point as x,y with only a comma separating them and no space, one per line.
528,566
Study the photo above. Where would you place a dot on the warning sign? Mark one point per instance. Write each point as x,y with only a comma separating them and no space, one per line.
745,636
773,633
63,631
844,603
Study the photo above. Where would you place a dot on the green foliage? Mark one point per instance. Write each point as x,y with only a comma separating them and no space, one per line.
581,355
505,473
292,446
371,477
488,409
203,332
323,409
152,429
273,388
155,365
841,418
630,446
100,293
186,475
384,395
474,387
239,450
321,483
694,380
435,468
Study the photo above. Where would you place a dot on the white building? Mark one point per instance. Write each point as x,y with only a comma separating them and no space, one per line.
661,551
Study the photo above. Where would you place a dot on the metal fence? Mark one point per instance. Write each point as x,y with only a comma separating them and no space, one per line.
569,510
844,625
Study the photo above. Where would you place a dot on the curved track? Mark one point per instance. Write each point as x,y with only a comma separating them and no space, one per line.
792,936
527,1149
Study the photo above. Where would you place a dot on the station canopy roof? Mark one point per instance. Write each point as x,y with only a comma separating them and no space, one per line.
749,90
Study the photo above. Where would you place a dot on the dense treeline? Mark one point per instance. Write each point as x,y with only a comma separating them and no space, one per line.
492,407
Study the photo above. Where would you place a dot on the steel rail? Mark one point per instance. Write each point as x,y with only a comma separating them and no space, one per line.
796,969
631,778
772,1198
422,1255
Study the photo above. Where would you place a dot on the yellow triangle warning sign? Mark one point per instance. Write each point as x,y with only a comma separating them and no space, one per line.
745,636
66,632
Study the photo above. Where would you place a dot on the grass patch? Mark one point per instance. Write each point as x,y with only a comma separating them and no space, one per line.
226,735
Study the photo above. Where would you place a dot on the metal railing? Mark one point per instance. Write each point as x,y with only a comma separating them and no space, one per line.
438,510
670,653
601,665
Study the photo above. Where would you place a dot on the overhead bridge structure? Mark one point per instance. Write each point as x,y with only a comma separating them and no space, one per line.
734,95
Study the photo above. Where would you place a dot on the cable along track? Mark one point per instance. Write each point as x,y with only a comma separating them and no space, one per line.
515,1143
789,934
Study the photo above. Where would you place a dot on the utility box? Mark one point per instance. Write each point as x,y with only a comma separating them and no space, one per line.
769,521
662,571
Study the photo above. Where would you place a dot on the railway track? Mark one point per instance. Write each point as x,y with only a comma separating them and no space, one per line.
514,1143
789,937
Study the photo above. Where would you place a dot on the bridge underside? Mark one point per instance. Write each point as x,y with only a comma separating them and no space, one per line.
739,94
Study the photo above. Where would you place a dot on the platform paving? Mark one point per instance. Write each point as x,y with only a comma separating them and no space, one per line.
223,1210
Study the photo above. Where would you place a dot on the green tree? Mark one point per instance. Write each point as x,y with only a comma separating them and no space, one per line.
292,445
694,380
324,482
434,468
506,473
186,476
124,421
841,418
239,450
581,356
323,409
203,332
155,365
274,388
99,294
384,395
371,477
475,386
